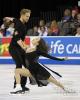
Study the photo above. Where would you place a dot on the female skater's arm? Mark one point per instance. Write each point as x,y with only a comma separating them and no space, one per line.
49,56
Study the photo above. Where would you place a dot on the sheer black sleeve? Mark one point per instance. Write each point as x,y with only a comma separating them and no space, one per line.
49,56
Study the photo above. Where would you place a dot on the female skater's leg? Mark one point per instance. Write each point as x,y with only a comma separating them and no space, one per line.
21,72
53,80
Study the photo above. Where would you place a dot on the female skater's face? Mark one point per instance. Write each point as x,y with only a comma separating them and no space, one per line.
35,41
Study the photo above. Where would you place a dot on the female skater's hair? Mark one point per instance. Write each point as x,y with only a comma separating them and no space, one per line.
43,46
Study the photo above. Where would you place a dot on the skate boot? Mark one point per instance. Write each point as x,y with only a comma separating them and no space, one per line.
25,89
17,90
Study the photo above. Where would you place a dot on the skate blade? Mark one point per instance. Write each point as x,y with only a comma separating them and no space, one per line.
20,92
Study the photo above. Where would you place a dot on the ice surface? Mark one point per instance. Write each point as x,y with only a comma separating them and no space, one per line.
71,79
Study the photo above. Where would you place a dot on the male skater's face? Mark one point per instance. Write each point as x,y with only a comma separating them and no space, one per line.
26,17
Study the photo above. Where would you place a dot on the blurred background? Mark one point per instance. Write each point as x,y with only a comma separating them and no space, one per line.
12,7
47,10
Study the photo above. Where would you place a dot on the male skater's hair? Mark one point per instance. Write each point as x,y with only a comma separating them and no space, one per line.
43,46
24,11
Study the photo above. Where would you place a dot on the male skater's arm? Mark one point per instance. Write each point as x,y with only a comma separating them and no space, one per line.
22,44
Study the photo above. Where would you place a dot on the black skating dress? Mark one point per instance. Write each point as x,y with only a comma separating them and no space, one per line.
39,71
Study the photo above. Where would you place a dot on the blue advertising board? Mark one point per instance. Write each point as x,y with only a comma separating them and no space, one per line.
59,47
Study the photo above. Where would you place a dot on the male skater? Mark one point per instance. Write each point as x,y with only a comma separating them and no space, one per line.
17,46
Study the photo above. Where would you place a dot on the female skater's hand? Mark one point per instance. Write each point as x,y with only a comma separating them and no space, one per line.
66,58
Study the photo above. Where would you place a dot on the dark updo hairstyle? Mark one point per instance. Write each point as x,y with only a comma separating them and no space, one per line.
43,47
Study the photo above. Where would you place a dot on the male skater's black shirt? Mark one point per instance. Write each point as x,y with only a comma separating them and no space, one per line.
19,33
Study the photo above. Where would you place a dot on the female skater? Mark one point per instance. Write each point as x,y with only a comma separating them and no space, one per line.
36,70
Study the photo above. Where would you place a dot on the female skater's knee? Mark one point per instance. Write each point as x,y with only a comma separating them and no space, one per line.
49,78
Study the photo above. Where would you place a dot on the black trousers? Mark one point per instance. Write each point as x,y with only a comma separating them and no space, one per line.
23,81
18,56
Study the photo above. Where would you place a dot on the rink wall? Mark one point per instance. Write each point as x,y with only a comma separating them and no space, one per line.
59,47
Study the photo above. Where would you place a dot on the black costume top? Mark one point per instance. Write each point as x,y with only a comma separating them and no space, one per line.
20,32
17,53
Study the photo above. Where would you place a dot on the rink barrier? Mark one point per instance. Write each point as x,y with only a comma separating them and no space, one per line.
61,46
46,61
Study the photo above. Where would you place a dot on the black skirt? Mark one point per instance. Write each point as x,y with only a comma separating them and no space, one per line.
38,71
